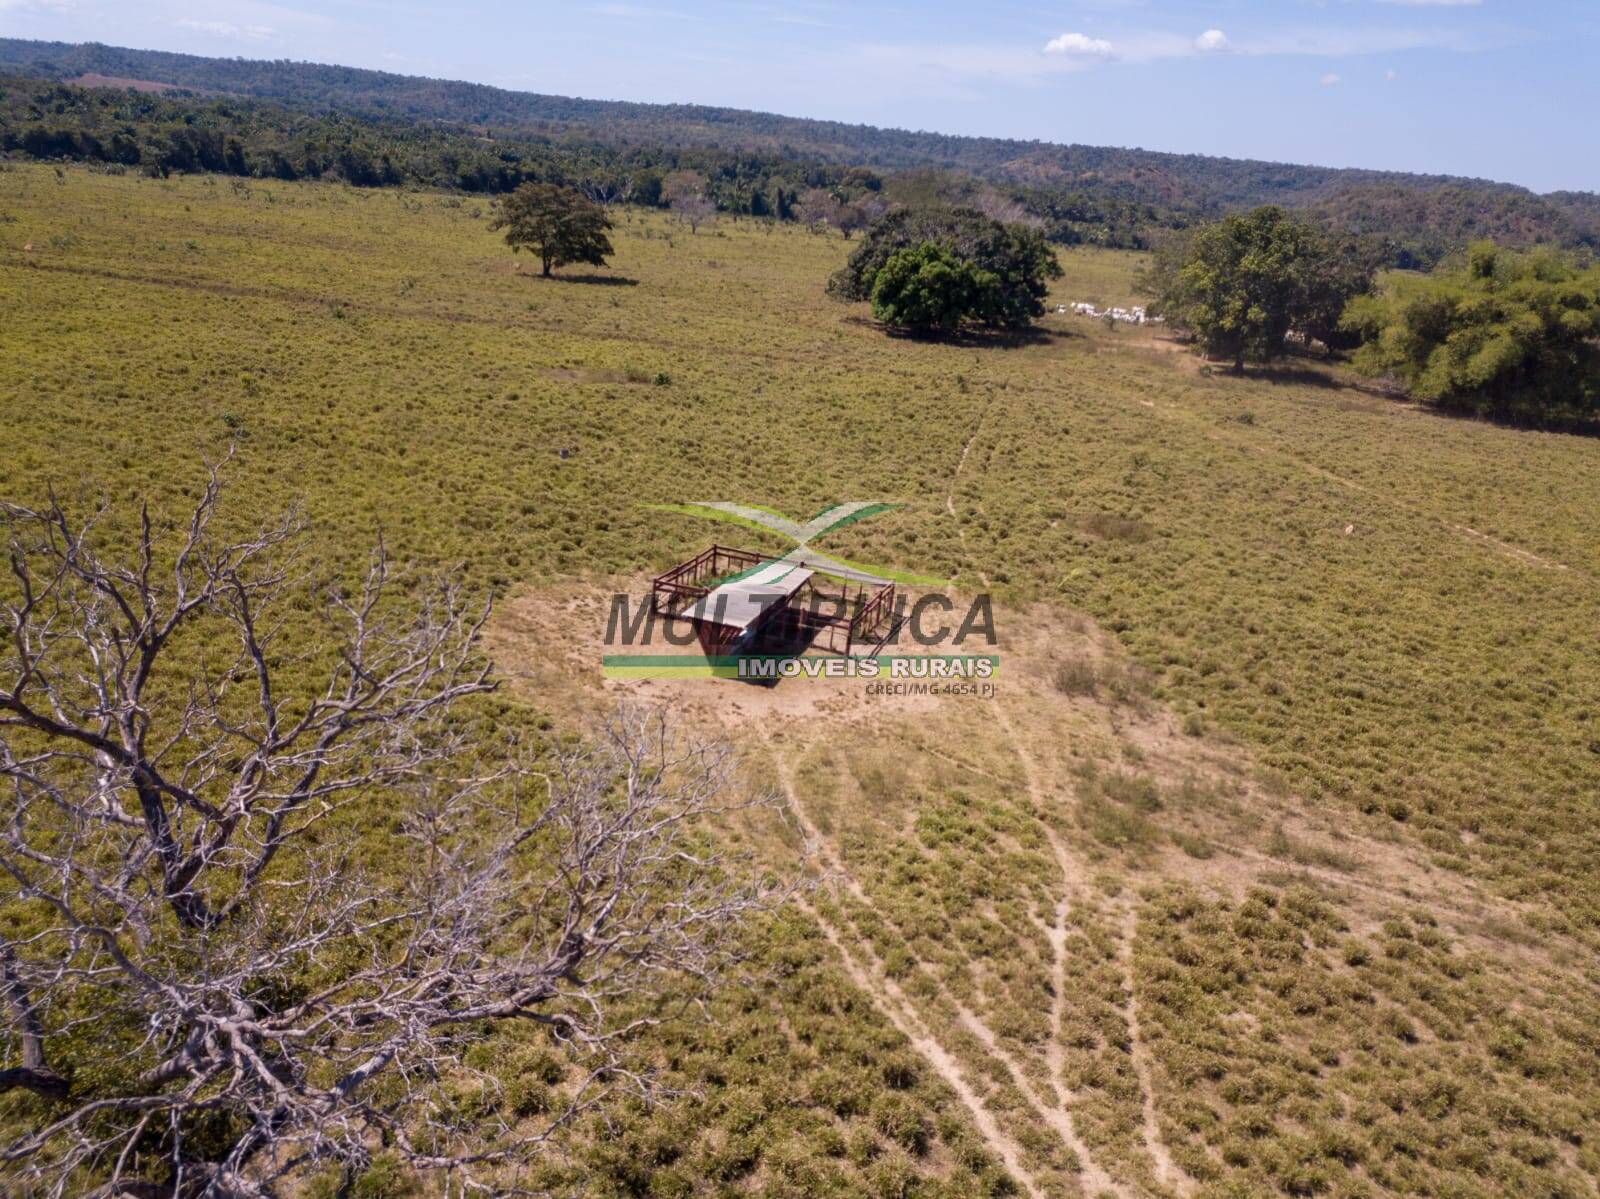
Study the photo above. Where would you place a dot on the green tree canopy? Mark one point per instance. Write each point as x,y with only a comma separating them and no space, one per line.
557,224
927,289
1340,267
1510,335
1243,283
1010,265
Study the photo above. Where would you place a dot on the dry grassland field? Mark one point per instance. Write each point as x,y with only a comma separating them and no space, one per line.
1271,869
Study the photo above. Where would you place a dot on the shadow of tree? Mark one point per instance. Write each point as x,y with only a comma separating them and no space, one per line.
594,280
1328,376
971,336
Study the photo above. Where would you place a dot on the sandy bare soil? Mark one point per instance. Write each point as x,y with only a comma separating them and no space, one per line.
547,643
1026,738
551,641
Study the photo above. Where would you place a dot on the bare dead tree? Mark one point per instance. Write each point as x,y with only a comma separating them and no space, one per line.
873,209
852,219
818,209
695,209
1007,211
606,190
260,891
685,193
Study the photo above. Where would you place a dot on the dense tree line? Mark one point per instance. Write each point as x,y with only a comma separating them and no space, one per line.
181,132
178,133
1504,334
301,120
1497,333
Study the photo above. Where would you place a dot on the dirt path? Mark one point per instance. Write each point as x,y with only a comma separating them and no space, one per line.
1526,557
1515,553
1504,548
887,992
1168,1172
1167,350
1095,1178
1173,353
1054,1053
950,496
968,767
892,1002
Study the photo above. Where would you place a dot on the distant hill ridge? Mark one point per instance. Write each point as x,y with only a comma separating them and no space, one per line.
1146,175
1424,215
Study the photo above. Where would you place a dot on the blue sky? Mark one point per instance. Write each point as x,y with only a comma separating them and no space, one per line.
1505,89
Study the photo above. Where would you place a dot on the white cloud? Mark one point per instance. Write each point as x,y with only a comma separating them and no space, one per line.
227,29
951,65
1391,75
1077,50
1078,45
1329,79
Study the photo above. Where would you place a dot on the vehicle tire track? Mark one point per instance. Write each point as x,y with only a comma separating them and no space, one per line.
1054,1116
1168,1172
950,496
891,1000
885,995
1095,1177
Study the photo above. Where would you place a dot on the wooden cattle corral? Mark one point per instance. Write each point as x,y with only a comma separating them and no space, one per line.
784,609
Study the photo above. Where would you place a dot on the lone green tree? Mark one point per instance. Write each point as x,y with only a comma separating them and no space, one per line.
1236,284
1004,275
1244,283
559,225
927,289
1341,267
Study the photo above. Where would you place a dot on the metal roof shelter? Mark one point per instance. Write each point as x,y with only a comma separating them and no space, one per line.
734,597
743,601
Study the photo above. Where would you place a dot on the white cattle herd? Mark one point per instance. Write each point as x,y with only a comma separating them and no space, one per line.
1133,316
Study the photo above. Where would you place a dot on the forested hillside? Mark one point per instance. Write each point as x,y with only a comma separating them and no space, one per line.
373,127
177,132
1148,176
180,133
1424,224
